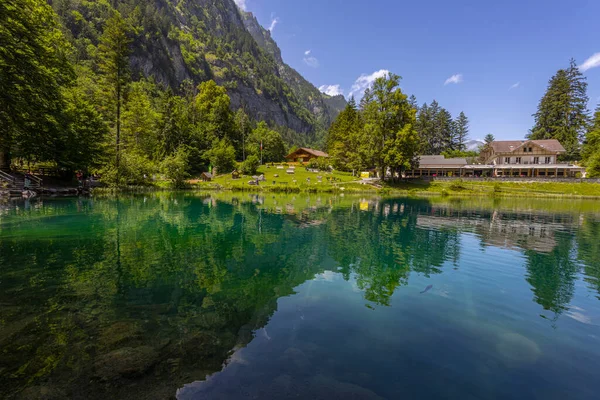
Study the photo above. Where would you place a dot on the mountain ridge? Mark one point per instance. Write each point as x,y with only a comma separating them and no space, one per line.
179,40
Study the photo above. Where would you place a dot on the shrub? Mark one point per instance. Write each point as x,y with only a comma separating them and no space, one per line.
175,167
457,185
134,169
250,166
320,163
222,156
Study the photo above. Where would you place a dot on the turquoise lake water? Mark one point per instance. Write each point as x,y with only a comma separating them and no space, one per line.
239,296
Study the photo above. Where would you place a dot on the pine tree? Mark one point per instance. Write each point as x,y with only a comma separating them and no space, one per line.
343,139
591,147
562,113
462,132
443,134
489,138
114,54
412,100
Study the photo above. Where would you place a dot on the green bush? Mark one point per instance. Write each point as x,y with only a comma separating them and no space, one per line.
175,167
135,169
250,166
313,164
320,163
222,156
457,185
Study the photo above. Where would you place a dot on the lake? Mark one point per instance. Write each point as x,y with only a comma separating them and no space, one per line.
235,296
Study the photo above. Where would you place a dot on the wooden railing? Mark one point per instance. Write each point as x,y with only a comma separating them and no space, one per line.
7,177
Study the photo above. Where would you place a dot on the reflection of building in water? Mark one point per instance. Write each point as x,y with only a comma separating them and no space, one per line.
531,231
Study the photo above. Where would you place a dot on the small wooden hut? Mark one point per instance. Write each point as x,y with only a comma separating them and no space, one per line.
206,177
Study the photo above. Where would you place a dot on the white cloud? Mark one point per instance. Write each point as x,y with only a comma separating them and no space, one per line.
592,62
514,86
241,4
458,78
274,22
365,81
331,90
310,60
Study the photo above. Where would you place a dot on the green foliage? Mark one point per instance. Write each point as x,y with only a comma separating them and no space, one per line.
461,132
562,113
273,148
33,69
320,163
438,132
489,138
134,169
113,52
391,139
591,147
345,139
382,133
460,154
175,167
222,156
250,166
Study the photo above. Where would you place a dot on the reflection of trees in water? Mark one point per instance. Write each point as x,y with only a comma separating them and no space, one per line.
552,275
553,252
168,284
383,246
164,288
588,251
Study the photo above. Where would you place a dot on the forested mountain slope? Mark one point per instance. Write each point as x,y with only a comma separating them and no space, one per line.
197,40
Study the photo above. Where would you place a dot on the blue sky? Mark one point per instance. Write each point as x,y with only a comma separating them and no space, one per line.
500,53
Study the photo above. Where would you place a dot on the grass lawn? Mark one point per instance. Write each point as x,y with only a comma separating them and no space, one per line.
305,181
500,189
301,180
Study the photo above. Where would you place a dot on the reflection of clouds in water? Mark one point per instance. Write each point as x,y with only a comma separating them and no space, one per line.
328,276
577,314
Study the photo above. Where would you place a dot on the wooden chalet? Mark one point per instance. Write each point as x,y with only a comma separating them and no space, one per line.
304,154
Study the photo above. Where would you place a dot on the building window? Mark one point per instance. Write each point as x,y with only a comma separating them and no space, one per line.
518,160
506,160
536,160
548,160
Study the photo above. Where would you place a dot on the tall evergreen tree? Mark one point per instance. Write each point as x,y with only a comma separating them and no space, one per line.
344,139
461,132
412,100
443,136
489,138
562,113
114,54
591,147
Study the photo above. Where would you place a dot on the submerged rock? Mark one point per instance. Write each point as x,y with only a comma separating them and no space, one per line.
125,362
42,393
120,333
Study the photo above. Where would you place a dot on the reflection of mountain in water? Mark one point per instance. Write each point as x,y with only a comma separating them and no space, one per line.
156,291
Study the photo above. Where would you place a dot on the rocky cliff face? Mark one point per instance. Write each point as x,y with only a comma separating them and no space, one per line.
197,40
324,108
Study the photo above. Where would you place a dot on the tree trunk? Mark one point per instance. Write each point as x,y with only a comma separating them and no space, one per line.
118,138
5,159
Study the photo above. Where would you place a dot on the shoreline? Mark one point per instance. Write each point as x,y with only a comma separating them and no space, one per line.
447,189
